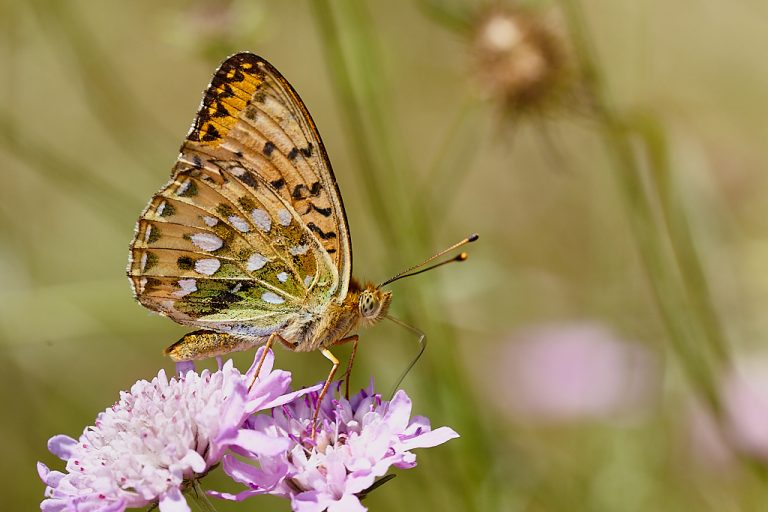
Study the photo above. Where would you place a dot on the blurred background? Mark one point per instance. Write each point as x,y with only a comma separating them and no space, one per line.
602,349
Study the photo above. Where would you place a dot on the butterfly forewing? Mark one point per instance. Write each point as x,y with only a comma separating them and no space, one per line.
250,232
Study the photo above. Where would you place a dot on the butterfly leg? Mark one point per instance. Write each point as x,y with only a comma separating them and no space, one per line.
267,348
335,362
347,375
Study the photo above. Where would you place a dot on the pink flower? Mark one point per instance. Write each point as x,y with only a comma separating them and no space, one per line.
569,373
745,400
159,435
743,426
357,442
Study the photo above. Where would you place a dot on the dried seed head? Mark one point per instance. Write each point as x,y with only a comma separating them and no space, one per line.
520,60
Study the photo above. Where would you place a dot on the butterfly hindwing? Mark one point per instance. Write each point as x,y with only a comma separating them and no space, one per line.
249,233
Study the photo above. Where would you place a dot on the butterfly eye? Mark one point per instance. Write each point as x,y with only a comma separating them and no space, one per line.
367,305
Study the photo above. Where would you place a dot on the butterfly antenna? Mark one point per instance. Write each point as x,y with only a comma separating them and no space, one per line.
413,270
422,347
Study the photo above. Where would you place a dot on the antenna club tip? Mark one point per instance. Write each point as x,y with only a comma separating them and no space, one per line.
461,257
473,237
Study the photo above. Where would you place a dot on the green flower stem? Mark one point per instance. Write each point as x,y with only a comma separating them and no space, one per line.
451,164
659,249
200,498
682,241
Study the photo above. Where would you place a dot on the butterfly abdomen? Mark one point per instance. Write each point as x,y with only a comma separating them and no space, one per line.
204,344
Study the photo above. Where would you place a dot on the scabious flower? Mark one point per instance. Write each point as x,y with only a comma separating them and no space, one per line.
147,447
357,441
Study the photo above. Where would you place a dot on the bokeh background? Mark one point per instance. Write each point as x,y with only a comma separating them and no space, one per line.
602,349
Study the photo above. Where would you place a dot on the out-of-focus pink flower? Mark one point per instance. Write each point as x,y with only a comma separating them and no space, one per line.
570,373
743,425
745,400
357,441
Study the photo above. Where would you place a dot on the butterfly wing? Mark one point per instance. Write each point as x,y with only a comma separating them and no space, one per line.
250,232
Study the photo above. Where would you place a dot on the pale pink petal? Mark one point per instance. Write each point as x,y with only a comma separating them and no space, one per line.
173,501
309,501
252,476
52,505
266,366
358,481
347,503
260,443
195,461
61,446
430,439
290,397
399,411
235,497
49,478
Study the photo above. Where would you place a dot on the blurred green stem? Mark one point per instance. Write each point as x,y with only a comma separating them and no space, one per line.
461,144
680,235
677,278
199,497
352,110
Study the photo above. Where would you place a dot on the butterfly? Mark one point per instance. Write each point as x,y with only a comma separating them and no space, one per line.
248,242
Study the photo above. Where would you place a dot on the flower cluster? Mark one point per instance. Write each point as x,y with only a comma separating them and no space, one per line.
164,434
357,441
157,437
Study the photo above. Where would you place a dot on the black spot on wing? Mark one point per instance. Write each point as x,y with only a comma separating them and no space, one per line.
269,147
307,151
251,113
319,232
211,133
154,234
246,203
168,210
292,154
301,191
185,263
325,212
249,179
224,210
298,191
278,184
151,261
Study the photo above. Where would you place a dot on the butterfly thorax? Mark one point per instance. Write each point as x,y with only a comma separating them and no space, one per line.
362,306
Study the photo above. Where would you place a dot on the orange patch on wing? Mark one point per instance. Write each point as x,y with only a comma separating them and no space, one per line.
233,87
